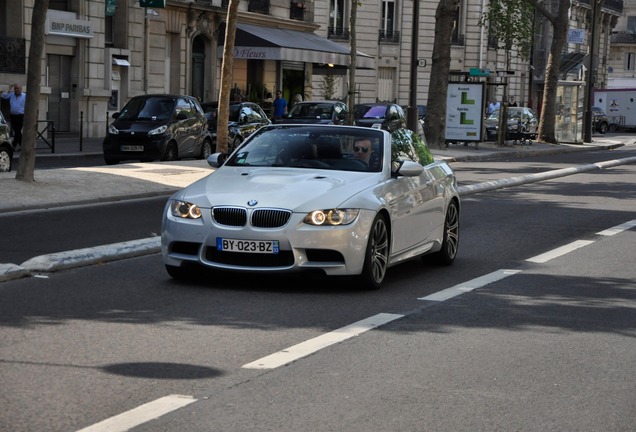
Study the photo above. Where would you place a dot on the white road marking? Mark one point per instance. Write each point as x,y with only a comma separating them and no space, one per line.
618,228
310,346
560,251
470,285
142,414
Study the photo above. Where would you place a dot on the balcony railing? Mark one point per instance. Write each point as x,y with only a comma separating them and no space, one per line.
338,33
615,6
12,55
389,36
623,38
259,6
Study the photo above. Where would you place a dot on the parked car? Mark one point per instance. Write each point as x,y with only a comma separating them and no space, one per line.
6,146
386,116
522,124
323,112
302,198
244,119
600,122
159,126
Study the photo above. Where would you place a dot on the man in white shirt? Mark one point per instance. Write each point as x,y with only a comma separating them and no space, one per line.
17,100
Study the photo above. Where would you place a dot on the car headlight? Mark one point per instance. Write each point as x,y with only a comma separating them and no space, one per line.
158,131
185,210
331,217
113,130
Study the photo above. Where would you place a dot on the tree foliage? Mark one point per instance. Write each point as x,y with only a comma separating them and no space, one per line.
510,23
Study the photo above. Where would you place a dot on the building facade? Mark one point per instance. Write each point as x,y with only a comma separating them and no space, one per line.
100,53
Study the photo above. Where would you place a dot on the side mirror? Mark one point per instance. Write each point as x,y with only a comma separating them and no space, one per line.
215,160
116,115
406,168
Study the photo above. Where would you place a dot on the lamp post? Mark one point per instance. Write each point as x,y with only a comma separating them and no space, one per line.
589,96
412,111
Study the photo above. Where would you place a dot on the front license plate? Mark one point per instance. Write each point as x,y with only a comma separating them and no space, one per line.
132,148
247,246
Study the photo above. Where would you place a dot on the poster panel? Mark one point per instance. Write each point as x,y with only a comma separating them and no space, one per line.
464,111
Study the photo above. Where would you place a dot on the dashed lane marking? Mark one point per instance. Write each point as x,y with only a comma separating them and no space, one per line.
310,346
470,285
142,414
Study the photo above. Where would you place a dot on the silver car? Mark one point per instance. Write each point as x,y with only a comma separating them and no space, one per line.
313,197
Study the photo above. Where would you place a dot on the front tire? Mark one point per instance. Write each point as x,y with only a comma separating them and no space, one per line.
603,128
171,153
206,149
377,255
6,159
450,244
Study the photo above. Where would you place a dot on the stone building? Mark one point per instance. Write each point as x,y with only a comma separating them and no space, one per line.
99,53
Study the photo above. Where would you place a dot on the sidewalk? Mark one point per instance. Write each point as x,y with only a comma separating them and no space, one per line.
84,185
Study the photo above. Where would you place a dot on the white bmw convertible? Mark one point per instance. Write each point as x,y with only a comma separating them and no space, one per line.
336,199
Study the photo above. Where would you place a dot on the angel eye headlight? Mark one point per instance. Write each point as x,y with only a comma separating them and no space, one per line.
185,210
331,217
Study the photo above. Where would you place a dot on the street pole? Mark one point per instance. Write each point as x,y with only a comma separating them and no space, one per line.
589,96
412,111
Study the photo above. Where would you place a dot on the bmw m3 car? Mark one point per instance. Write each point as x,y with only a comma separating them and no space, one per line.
334,199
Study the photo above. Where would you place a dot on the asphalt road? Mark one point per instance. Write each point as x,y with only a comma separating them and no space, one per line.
548,346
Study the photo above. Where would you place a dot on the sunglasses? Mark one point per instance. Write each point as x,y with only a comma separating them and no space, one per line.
360,149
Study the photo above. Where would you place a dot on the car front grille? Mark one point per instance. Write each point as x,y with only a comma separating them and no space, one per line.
260,218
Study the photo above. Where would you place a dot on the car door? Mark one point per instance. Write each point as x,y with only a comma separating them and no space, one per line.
185,128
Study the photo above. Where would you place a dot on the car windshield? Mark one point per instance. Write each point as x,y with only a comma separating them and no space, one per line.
311,110
373,111
340,148
151,109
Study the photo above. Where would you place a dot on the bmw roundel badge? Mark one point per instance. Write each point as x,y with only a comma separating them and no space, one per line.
252,203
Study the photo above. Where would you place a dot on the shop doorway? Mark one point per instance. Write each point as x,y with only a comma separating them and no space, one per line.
293,81
59,106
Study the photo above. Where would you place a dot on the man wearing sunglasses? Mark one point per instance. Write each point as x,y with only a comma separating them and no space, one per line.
362,150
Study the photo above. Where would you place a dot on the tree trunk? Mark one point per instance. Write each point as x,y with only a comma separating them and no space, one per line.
547,121
227,76
435,127
26,164
351,95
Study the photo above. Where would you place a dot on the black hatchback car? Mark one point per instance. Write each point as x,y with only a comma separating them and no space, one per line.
6,146
387,116
158,127
317,112
244,119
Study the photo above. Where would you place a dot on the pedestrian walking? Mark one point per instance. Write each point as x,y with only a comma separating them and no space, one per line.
17,100
493,106
280,106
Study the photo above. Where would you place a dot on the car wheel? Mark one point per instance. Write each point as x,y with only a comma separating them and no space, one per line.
450,244
171,153
206,149
603,127
110,161
5,159
376,258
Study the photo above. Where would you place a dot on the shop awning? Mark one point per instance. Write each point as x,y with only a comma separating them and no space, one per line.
264,43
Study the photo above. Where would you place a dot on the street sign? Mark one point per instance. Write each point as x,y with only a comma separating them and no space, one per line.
152,3
477,72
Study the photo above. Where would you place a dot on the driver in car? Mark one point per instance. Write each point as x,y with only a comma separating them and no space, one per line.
362,149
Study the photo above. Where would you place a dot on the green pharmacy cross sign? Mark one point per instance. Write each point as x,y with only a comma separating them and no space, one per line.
153,3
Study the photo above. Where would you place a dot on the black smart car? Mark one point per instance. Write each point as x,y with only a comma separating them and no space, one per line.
6,146
158,127
317,112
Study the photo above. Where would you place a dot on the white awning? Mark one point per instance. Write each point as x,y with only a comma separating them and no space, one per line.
263,43
120,62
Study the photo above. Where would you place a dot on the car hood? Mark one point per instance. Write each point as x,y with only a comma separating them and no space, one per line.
306,120
297,189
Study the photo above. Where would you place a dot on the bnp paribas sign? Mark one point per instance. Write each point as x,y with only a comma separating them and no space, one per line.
153,3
